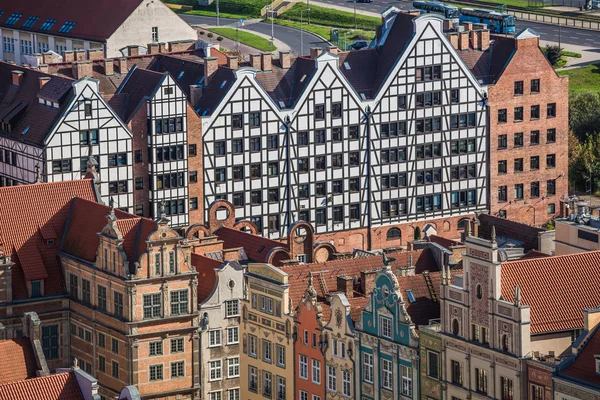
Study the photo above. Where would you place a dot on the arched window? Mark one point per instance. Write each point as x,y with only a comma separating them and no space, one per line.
479,292
394,233
505,342
455,327
462,223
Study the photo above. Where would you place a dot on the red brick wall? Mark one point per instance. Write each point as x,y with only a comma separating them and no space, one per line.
139,127
528,63
195,164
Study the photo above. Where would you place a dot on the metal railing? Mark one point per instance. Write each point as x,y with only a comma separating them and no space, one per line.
551,19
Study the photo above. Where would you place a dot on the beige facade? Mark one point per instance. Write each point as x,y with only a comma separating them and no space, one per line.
573,236
267,357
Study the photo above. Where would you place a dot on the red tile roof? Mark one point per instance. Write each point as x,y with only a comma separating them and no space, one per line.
27,211
558,289
93,21
256,247
61,386
447,243
17,360
584,365
207,277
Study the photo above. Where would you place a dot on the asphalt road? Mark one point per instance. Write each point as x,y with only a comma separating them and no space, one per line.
580,37
289,36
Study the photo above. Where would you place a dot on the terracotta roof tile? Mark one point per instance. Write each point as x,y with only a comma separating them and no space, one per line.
207,277
61,386
558,289
256,247
23,210
584,365
17,360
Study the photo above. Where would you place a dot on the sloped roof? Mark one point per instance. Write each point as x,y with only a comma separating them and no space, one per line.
140,83
17,360
185,70
207,277
19,105
447,243
23,211
61,386
256,247
92,21
558,289
584,365
524,233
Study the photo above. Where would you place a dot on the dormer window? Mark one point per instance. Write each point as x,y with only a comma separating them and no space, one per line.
36,289
597,357
50,242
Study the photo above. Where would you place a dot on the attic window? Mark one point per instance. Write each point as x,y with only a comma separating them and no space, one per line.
362,96
47,25
67,26
87,108
223,84
180,75
281,104
411,296
50,242
303,78
347,66
26,130
168,90
261,249
13,19
30,22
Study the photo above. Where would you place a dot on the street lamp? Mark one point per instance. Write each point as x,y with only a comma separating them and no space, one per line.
217,12
267,8
308,9
301,31
354,14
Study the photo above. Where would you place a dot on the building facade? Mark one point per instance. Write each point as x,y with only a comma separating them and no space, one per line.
267,332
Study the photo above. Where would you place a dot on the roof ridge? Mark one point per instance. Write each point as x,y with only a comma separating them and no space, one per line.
555,257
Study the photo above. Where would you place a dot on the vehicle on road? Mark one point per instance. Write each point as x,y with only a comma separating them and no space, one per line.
497,22
447,11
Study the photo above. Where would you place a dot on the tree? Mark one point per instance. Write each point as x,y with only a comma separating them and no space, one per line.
584,113
417,233
553,53
584,159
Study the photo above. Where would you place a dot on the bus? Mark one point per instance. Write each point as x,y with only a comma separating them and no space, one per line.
497,22
449,12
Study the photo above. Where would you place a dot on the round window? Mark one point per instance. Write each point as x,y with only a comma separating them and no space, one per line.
231,284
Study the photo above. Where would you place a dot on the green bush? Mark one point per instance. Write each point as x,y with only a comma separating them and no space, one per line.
201,33
231,8
330,17
553,54
210,34
220,38
417,233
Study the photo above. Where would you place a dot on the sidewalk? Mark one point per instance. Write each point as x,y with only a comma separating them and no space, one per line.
347,9
230,44
588,55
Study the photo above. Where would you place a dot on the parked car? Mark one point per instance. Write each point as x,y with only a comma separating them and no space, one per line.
358,45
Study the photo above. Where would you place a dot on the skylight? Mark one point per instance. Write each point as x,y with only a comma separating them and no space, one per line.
26,129
180,75
13,19
303,78
201,81
1,13
48,24
411,296
281,104
30,22
223,84
67,26
346,65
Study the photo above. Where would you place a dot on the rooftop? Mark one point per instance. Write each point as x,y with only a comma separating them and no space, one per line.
61,386
17,361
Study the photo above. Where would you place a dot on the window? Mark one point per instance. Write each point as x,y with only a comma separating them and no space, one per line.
252,345
266,347
433,365
337,187
273,223
255,144
61,166
177,345
118,304
502,142
238,173
320,136
273,169
214,338
518,88
551,161
454,96
303,165
316,372
254,119
336,110
502,167
152,306
353,132
535,189
321,216
537,392
179,302
385,328
303,366
252,379
232,308
402,102
518,165
50,341
154,34
101,340
155,348
320,163
354,158
302,138
233,394
233,335
551,187
354,212
101,298
346,383
280,354
534,138
215,370
551,208
534,163
518,139
502,116
535,112
338,214
320,111
233,367
267,384
406,381
101,363
116,187
177,369
551,110
331,378
280,388
551,136
481,380
237,146
272,141
9,44
237,121
216,395
535,86
115,370
192,150
456,372
518,114
85,291
114,344
367,367
519,191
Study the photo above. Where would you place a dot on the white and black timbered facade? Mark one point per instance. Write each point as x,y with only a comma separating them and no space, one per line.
428,135
168,150
89,124
19,162
416,151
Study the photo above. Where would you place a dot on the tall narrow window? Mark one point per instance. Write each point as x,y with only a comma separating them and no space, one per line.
155,34
157,264
172,262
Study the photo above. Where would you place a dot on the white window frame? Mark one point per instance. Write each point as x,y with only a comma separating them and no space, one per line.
267,345
346,383
215,366
252,345
303,395
367,367
232,308
214,395
387,381
301,258
235,332
214,338
316,371
303,367
331,378
233,364
406,380
280,354
385,327
233,394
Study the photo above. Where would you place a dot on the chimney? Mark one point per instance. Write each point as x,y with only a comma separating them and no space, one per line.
314,52
591,318
195,93
232,62
47,58
367,281
133,51
255,61
265,61
211,65
463,41
231,254
447,25
122,68
153,48
79,55
17,77
109,67
163,47
333,49
95,54
468,26
285,59
82,68
68,56
345,284
475,35
44,68
453,39
484,39
43,80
